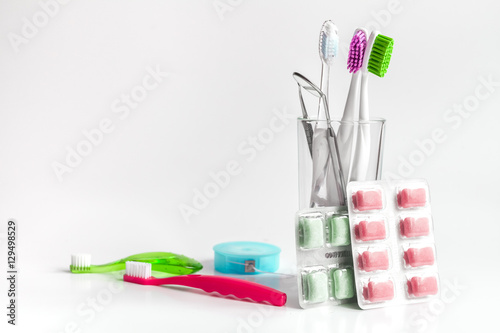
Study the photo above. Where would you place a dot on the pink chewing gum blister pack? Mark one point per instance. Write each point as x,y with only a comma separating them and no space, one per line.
392,242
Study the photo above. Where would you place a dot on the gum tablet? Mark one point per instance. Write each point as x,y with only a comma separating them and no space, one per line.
422,286
378,291
343,283
412,197
311,232
339,234
367,200
316,287
370,261
417,257
370,230
414,227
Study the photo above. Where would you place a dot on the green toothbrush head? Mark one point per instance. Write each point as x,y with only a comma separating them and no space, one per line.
80,263
380,56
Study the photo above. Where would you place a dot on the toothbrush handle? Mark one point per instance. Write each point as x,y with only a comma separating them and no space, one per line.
324,87
364,113
347,132
362,153
227,286
352,103
111,267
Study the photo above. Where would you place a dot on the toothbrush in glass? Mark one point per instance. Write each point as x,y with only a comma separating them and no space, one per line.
328,49
140,273
379,48
326,165
165,262
347,130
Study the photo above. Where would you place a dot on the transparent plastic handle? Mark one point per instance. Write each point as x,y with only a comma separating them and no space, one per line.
165,262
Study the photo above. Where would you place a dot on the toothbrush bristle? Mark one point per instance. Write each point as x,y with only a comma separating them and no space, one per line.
356,51
138,269
80,262
380,56
328,42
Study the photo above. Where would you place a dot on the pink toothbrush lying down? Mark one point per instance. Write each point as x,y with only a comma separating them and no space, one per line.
140,273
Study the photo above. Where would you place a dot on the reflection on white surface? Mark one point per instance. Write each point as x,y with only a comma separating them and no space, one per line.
100,302
81,282
350,318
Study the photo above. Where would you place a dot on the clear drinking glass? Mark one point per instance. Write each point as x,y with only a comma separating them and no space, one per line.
332,153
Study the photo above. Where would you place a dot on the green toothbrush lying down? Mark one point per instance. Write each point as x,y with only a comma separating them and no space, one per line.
164,262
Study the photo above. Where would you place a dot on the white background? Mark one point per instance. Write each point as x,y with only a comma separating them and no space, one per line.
229,72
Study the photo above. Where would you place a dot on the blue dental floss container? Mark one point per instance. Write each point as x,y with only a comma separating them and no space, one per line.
246,257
